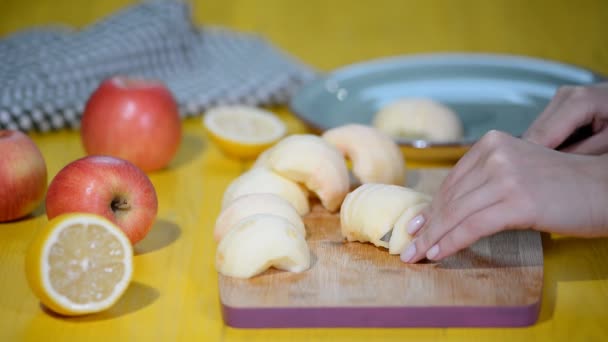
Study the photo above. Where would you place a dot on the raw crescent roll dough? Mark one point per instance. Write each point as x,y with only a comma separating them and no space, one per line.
262,180
259,203
310,160
259,242
419,119
371,211
262,159
375,157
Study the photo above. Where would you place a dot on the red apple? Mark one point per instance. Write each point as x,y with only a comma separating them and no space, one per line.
106,186
133,119
22,175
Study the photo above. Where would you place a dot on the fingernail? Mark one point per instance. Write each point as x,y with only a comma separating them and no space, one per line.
415,224
409,253
433,252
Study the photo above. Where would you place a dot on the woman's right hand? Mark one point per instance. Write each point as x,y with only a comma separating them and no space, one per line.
507,183
571,108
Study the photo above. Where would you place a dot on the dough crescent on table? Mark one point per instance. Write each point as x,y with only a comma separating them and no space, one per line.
262,180
375,157
256,203
312,161
371,211
259,242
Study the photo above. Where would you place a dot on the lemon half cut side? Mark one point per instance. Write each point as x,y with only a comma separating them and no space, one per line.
79,264
242,131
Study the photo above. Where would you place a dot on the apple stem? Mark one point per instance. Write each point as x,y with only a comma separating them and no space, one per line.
120,204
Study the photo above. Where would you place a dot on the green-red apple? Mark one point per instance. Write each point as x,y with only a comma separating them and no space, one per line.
22,175
132,119
106,186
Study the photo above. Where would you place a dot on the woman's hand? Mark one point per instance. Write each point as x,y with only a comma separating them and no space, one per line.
508,183
571,109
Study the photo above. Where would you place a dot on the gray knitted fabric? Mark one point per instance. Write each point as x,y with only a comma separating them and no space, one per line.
47,75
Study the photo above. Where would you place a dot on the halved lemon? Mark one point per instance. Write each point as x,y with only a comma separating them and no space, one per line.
79,264
242,131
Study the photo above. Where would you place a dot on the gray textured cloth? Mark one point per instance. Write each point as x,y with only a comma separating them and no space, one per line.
47,75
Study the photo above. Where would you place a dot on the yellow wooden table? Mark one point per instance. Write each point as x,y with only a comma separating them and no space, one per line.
174,295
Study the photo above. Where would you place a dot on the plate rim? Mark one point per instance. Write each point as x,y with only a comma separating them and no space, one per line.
438,57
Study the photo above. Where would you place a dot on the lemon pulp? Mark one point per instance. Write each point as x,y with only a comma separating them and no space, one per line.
241,131
80,263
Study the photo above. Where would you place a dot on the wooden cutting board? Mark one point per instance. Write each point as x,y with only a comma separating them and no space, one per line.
496,282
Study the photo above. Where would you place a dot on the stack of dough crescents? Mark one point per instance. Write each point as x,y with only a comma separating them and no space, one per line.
260,225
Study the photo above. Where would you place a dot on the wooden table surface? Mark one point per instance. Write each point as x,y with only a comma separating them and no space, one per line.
174,295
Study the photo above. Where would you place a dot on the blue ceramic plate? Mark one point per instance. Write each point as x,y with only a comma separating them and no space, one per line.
486,91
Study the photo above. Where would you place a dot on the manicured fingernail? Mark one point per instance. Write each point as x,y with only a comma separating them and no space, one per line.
415,224
433,252
409,253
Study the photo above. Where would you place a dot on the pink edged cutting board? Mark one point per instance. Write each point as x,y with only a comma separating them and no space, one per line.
496,282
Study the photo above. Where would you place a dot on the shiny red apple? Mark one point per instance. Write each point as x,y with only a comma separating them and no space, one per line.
22,175
106,186
133,119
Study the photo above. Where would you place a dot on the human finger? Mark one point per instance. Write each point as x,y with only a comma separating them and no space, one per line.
461,168
455,193
595,145
473,159
537,128
486,222
444,219
551,129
